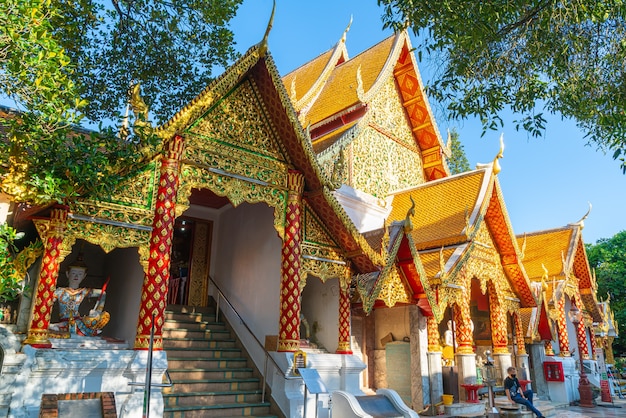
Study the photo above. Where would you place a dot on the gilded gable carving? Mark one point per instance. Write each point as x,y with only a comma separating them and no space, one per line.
380,165
132,201
387,112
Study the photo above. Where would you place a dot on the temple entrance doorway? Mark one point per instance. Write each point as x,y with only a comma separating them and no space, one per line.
190,262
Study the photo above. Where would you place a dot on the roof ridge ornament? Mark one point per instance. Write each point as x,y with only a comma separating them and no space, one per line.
523,251
581,222
345,32
447,149
496,164
360,91
263,43
408,225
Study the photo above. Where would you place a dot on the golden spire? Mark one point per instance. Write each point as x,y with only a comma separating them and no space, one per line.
263,43
345,32
496,164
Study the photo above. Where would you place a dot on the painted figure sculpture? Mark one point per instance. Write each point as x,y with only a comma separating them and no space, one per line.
70,298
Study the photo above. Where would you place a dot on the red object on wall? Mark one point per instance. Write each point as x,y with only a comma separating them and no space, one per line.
553,371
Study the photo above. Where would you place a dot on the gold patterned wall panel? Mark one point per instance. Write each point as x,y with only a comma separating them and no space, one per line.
482,262
322,256
380,165
200,263
387,112
131,202
237,135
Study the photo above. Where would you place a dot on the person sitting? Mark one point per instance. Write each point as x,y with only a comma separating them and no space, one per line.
70,299
515,393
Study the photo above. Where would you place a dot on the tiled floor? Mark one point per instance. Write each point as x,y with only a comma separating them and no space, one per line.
603,409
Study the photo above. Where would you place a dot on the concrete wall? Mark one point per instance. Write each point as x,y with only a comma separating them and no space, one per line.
246,265
320,306
123,293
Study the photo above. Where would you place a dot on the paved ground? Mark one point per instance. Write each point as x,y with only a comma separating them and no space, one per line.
603,409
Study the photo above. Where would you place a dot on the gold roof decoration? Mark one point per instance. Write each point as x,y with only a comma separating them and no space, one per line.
496,163
263,44
453,212
402,279
562,253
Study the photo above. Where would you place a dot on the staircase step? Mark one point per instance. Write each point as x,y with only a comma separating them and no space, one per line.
178,343
210,377
203,373
212,398
224,410
214,385
218,334
194,326
202,353
213,363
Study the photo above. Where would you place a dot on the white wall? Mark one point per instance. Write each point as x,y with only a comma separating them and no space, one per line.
124,293
320,306
246,265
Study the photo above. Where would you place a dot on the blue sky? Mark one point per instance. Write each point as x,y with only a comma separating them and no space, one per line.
546,182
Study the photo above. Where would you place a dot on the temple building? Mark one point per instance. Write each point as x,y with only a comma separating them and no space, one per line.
556,260
313,219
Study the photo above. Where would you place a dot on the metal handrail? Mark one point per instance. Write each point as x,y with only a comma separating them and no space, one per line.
267,354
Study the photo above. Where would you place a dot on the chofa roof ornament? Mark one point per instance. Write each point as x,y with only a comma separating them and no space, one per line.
496,164
263,43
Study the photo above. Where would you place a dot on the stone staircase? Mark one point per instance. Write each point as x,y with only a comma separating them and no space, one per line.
212,376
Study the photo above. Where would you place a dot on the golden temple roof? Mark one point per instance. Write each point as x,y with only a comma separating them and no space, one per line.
340,91
448,214
442,208
562,252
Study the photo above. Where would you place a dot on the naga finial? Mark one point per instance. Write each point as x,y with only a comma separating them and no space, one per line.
408,225
582,220
140,110
496,164
345,32
263,43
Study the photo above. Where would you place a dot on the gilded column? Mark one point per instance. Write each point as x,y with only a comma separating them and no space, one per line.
610,359
344,321
581,334
44,298
519,334
155,282
289,320
499,332
432,327
464,336
594,344
561,329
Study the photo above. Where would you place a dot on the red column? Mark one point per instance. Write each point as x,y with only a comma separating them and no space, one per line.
289,321
344,321
594,345
499,322
519,334
561,329
581,333
38,330
464,337
155,282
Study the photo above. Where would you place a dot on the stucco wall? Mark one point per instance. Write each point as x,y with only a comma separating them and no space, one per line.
246,265
320,305
124,293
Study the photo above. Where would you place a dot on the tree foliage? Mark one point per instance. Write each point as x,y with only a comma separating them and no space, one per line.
608,258
71,62
458,160
532,57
